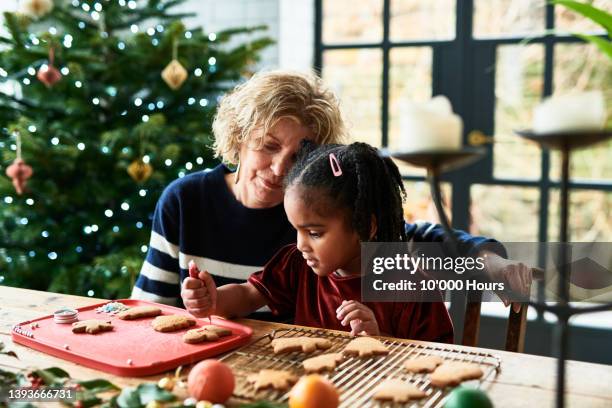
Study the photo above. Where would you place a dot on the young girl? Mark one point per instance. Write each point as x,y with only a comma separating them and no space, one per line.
336,196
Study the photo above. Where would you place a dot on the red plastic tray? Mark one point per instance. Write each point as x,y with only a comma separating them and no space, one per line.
132,348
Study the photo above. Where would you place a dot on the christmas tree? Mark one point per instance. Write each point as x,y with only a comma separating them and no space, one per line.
85,108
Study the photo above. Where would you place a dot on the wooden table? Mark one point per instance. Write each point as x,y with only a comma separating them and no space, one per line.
525,380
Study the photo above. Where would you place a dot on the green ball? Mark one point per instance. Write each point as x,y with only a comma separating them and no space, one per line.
463,397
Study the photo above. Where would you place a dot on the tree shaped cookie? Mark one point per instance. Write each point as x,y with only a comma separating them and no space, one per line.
277,379
365,347
92,326
397,391
423,364
454,373
303,344
324,362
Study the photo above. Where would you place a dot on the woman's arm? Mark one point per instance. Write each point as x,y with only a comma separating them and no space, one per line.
238,300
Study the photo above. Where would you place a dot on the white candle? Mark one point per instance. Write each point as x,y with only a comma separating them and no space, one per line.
430,126
570,113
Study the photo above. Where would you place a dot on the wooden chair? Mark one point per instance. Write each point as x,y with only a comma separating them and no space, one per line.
515,330
517,321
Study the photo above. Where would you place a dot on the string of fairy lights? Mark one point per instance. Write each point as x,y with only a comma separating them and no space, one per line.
95,12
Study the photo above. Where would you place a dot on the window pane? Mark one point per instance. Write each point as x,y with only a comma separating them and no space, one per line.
412,20
351,21
508,18
355,76
419,206
590,216
580,67
410,80
519,79
512,219
567,20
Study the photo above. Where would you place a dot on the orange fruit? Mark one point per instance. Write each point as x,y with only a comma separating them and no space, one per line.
211,380
314,391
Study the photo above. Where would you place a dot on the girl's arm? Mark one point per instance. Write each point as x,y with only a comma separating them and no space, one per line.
238,300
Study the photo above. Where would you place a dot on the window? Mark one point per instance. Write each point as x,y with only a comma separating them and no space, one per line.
475,52
377,54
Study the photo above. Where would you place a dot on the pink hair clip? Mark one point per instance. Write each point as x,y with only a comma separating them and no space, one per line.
335,165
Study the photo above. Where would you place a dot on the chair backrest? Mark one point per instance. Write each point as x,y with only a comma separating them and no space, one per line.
515,329
517,321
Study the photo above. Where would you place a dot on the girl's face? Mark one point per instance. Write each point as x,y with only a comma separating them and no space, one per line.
260,182
328,243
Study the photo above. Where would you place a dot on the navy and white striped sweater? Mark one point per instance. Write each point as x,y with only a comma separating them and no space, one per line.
197,217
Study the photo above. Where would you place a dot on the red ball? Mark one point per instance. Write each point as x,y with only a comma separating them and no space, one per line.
211,380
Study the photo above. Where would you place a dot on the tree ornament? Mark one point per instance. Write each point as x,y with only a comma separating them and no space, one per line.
19,172
36,8
174,74
139,170
48,74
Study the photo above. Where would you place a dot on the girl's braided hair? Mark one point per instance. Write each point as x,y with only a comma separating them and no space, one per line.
370,185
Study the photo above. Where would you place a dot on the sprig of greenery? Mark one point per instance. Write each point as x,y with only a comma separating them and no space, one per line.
598,16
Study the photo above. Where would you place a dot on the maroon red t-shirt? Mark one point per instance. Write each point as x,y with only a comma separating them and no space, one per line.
293,289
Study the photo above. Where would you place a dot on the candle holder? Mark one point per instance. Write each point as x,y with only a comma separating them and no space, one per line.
437,162
565,142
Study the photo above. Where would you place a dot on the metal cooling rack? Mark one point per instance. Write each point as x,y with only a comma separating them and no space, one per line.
355,378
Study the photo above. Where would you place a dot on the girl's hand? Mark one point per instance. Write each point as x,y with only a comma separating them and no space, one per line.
199,294
359,316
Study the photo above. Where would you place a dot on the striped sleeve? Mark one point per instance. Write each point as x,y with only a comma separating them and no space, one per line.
159,279
468,245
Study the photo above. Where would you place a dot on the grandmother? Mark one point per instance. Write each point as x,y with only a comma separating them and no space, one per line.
232,222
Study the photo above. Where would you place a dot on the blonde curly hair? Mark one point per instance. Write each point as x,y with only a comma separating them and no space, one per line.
269,96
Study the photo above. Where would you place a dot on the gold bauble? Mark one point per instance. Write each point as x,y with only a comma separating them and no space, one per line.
36,8
139,170
174,74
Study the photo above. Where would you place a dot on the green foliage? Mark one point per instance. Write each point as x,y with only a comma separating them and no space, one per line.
143,394
86,391
598,16
113,100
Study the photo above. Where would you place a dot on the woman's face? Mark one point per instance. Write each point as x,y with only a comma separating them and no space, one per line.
260,182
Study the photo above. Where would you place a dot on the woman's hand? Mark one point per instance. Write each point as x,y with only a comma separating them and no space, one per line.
516,275
359,316
199,294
